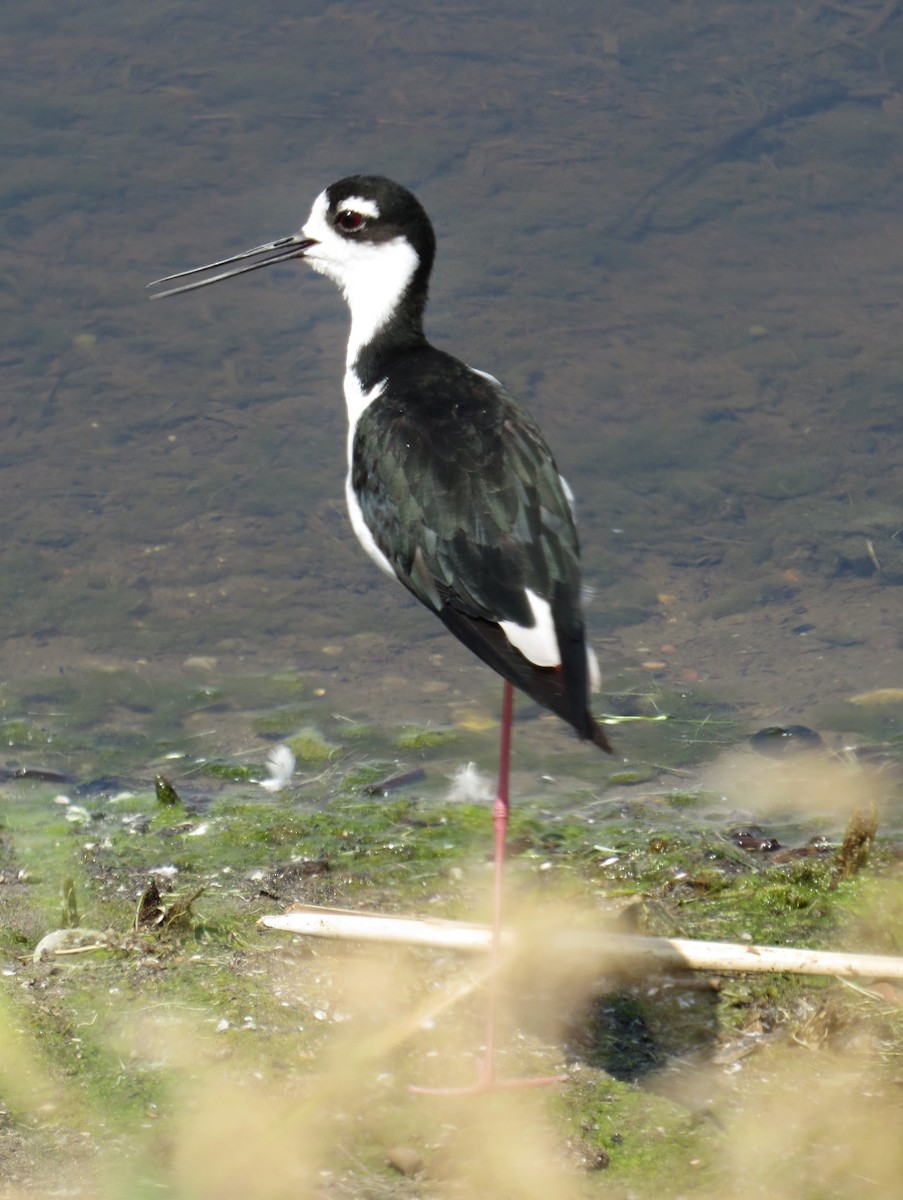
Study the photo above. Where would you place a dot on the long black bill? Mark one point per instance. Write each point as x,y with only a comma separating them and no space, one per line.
268,254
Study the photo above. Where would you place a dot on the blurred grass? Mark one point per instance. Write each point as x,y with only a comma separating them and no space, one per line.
211,1058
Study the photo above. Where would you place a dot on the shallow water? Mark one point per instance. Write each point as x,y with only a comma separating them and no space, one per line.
676,235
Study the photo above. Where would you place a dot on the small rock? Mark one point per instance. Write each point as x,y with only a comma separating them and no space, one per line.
888,992
405,1161
596,1159
776,740
753,839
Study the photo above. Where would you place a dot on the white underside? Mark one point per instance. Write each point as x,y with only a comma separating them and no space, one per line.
358,401
364,536
538,643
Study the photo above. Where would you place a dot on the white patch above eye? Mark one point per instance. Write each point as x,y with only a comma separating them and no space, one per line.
367,208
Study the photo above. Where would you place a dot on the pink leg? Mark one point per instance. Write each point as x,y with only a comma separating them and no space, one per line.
486,1076
500,810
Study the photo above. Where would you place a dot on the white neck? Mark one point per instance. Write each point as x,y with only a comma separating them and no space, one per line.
373,289
357,400
372,276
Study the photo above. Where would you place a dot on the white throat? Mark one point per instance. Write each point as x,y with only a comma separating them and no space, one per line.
372,276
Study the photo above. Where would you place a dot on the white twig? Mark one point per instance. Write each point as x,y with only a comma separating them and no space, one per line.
605,950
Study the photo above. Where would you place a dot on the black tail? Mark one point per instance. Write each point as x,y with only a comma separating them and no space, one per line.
545,685
597,735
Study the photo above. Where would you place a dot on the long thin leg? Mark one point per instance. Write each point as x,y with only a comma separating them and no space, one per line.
486,1075
500,811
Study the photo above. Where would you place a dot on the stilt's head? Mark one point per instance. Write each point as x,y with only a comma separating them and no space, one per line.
367,225
368,234
372,237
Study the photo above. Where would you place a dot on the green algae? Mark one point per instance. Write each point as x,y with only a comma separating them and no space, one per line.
232,772
281,722
22,734
310,746
388,856
326,843
632,777
424,739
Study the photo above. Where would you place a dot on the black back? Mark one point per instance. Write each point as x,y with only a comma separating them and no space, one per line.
463,497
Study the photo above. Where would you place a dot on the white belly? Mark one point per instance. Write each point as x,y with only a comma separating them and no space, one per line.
359,525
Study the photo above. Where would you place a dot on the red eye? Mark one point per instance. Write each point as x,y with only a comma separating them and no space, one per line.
349,220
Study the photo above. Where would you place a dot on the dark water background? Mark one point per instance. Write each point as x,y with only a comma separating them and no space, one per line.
675,231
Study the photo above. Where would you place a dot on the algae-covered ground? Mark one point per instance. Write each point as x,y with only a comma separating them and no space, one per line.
166,1043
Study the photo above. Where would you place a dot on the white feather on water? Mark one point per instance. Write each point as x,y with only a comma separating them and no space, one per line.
281,766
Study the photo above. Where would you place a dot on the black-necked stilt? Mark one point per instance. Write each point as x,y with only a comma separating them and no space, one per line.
451,486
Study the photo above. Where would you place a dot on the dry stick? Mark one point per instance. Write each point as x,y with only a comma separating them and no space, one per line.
657,953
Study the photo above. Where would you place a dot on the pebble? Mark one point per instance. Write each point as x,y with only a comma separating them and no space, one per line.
776,740
201,662
405,1161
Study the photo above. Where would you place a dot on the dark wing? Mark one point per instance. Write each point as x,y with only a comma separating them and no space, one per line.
462,496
